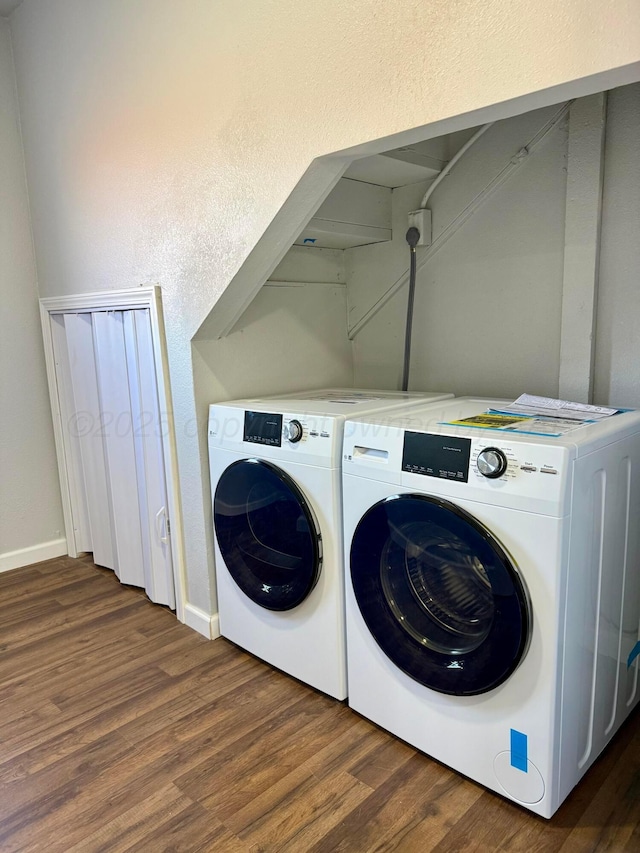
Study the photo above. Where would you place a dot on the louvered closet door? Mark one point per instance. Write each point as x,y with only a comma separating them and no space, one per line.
116,422
85,423
72,441
149,430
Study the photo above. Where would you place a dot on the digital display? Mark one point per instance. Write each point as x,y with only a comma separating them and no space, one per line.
263,428
439,456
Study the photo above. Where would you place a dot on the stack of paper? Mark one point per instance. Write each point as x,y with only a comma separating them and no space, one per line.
546,407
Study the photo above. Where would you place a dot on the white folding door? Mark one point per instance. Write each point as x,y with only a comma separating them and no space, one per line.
113,433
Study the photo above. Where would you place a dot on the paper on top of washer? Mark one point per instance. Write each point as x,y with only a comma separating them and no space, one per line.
547,407
524,424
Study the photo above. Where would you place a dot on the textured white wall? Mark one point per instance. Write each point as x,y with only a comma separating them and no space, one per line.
488,304
30,508
292,336
162,136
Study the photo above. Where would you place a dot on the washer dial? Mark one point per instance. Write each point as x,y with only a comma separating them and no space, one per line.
492,463
294,431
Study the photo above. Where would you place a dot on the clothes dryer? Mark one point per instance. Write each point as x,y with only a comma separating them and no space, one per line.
493,590
275,469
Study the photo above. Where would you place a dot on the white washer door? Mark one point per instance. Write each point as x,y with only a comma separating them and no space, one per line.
440,595
267,533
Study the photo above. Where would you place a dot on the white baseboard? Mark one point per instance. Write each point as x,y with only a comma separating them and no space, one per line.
204,623
34,554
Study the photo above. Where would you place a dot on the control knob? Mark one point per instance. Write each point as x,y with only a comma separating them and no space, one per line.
294,431
492,463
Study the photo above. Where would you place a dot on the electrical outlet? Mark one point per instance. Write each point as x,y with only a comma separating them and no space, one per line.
421,219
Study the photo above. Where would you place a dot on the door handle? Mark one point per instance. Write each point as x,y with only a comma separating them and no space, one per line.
161,516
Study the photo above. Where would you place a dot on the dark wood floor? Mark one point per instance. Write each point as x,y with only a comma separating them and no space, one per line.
121,729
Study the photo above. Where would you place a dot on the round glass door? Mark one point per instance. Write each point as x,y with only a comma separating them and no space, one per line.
440,595
267,534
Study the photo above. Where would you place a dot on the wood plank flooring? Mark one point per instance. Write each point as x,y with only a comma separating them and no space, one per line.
123,730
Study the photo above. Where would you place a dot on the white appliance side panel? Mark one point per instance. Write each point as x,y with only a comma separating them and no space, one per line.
602,605
469,733
628,687
307,642
89,424
146,426
113,384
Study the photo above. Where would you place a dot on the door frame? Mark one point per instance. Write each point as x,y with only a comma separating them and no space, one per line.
149,297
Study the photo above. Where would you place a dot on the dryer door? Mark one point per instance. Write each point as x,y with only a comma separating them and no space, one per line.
440,595
267,534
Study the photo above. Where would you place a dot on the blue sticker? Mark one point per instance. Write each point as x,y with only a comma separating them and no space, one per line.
518,750
633,654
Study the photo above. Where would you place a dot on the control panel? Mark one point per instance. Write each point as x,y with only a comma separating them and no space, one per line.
494,462
474,460
299,429
263,428
278,430
442,456
306,437
508,462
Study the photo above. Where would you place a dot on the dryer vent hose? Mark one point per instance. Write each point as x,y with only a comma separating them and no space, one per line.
412,237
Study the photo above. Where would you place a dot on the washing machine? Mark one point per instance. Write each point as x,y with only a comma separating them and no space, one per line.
493,593
277,515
